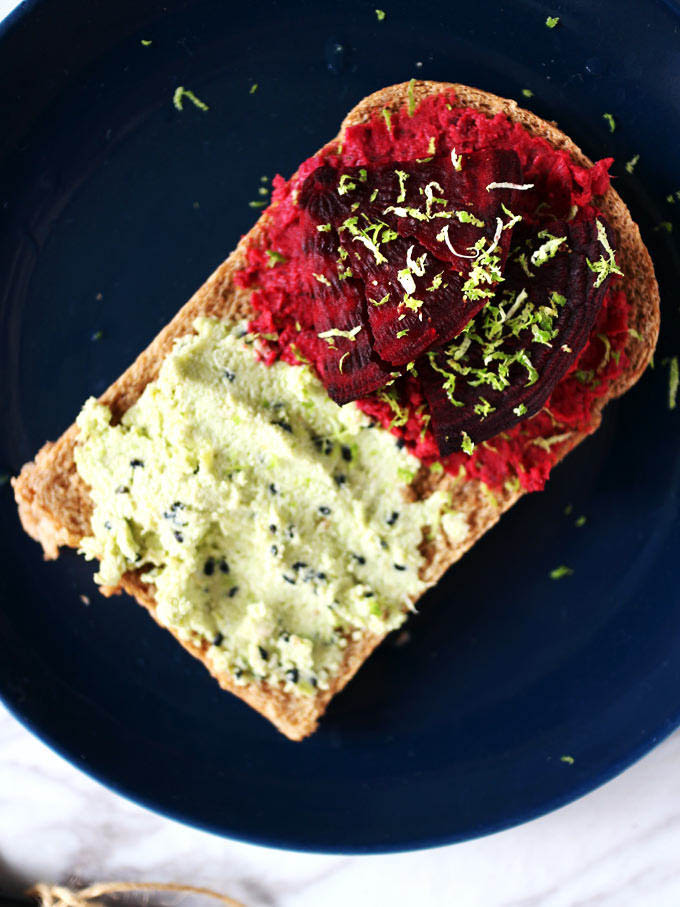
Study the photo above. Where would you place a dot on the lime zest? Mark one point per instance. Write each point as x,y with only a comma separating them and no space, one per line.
560,573
335,332
402,176
611,122
275,258
603,267
552,21
400,412
380,14
520,186
673,381
548,250
181,93
346,184
411,97
632,163
466,444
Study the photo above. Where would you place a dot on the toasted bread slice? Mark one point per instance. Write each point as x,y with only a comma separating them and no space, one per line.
54,504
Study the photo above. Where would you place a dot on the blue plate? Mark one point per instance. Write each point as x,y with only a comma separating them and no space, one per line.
114,207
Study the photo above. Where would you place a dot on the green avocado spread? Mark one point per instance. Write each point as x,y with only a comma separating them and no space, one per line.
271,522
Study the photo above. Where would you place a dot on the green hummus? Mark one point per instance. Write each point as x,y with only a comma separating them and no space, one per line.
271,522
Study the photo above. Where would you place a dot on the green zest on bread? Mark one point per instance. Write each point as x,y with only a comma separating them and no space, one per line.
428,315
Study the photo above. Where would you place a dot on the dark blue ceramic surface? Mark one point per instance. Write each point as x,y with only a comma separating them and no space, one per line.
114,207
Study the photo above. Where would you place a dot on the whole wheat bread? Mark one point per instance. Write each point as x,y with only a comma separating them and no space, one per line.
54,504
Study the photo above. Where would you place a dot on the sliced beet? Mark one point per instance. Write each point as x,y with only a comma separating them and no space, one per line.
346,363
405,324
406,196
482,410
390,233
464,190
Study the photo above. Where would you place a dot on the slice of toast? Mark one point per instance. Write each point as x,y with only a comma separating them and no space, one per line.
54,504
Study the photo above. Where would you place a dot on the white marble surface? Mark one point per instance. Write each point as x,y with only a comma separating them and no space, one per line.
617,847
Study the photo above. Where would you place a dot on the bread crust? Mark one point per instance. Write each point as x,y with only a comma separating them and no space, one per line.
55,506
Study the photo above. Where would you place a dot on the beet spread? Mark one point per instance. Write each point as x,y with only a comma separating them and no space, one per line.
453,275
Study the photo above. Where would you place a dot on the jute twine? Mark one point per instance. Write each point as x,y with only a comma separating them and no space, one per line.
60,896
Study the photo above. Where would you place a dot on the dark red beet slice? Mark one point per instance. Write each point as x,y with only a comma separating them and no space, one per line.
564,285
410,312
419,199
464,192
414,281
345,362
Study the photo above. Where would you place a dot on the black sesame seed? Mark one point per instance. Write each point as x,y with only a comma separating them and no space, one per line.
285,636
321,576
298,565
286,426
218,640
224,566
209,566
107,524
340,479
326,511
241,333
401,443
178,535
272,488
229,375
346,453
293,675
122,489
274,550
369,594
393,519
238,673
291,532
399,567
264,654
313,680
272,527
289,579
384,545
177,505
359,558
232,592
136,462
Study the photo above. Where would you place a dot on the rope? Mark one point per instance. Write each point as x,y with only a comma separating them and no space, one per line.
60,896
